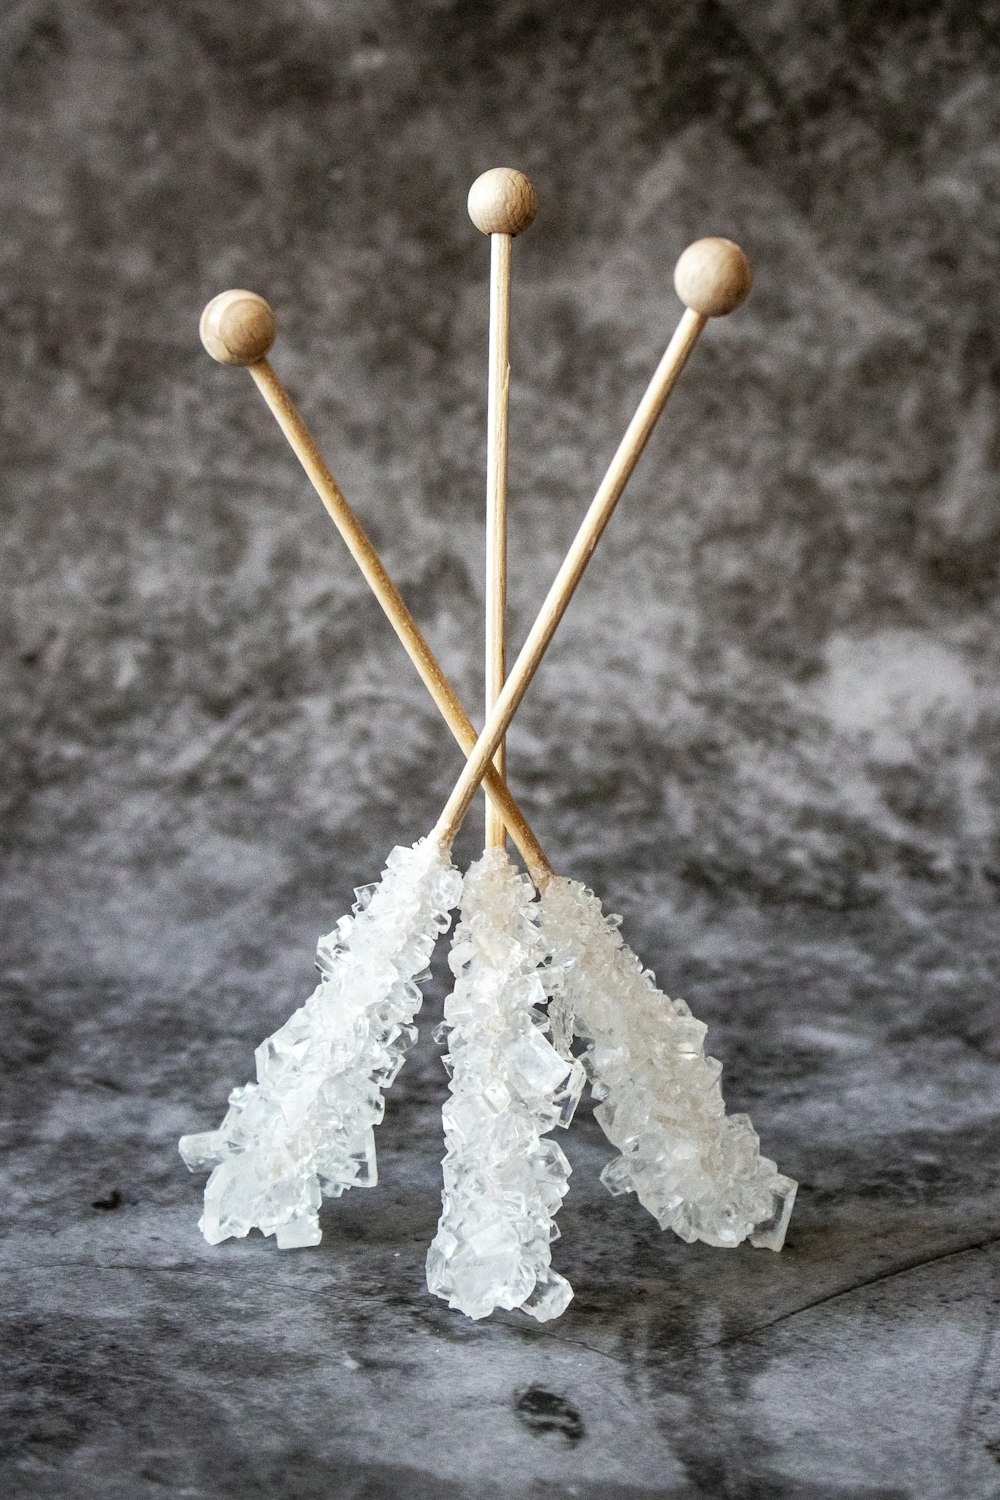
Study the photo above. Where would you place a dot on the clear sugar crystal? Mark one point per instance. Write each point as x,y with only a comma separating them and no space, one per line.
304,1129
503,1182
697,1170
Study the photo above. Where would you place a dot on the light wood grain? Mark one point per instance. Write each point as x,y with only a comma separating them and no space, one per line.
572,570
502,204
237,327
502,201
496,505
716,277
713,277
365,555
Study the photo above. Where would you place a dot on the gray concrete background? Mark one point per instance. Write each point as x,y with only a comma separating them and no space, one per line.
768,730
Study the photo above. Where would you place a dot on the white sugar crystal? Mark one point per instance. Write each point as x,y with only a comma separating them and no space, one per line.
503,1182
305,1128
697,1170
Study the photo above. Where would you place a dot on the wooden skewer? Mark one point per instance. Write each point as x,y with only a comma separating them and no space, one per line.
502,203
712,278
238,328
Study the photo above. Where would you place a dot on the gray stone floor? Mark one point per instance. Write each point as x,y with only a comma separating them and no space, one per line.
769,731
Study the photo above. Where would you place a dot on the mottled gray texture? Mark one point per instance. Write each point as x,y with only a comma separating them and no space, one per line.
768,730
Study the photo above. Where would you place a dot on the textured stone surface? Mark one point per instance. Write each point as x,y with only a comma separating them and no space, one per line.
767,733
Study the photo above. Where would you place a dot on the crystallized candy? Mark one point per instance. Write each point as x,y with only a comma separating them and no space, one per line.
529,976
305,1129
696,1169
503,1181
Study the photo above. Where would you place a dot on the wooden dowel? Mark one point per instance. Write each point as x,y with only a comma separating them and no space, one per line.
502,203
570,574
712,278
496,505
238,328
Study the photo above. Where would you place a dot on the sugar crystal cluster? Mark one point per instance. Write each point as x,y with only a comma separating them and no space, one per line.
305,1128
503,1179
696,1169
534,974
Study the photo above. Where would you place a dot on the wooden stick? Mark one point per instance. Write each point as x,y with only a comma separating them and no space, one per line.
502,203
712,278
496,506
238,328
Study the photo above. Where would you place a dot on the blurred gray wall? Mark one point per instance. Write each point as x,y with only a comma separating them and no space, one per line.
779,681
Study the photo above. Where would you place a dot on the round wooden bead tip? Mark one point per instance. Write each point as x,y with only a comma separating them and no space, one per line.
502,201
712,277
237,328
